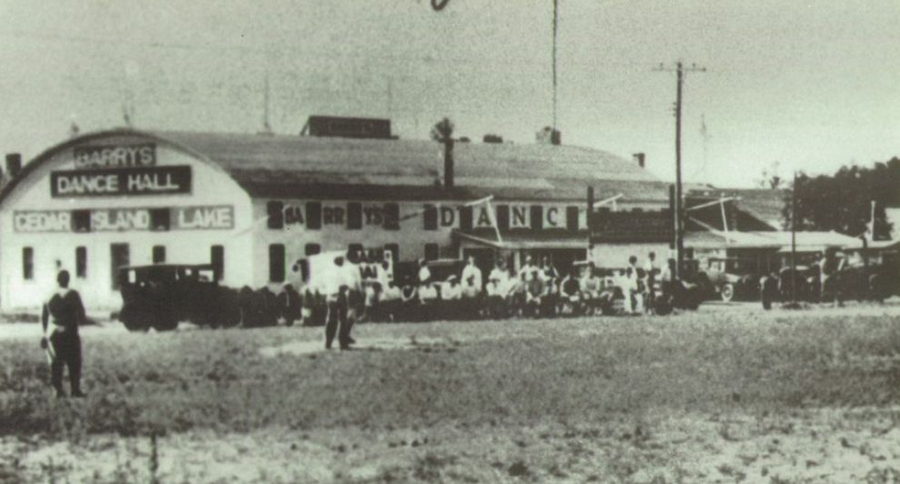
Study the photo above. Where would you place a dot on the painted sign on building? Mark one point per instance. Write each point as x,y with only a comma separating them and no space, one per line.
114,156
158,180
635,226
214,217
431,216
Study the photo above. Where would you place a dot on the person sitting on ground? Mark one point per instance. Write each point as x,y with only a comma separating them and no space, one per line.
570,292
534,296
451,295
428,298
591,287
389,305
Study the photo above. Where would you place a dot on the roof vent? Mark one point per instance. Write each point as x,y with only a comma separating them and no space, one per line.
341,127
548,136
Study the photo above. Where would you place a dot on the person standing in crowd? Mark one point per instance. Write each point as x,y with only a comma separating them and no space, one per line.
471,272
62,313
336,301
497,288
633,287
651,271
548,270
290,304
352,278
528,271
451,294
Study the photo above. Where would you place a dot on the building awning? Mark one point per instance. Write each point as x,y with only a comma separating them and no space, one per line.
523,240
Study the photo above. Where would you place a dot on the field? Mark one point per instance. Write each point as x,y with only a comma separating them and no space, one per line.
726,394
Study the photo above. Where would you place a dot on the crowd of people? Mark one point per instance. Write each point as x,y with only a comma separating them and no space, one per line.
341,295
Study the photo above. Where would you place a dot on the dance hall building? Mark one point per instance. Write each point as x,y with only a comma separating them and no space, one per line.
252,205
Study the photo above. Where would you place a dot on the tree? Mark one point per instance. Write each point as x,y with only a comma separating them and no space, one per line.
442,131
771,177
843,202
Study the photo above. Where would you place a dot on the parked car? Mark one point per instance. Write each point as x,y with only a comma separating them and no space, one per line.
732,278
159,296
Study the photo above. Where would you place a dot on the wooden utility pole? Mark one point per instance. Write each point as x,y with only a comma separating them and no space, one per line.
680,71
794,242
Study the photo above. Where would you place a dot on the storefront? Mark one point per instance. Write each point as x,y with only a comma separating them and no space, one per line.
252,205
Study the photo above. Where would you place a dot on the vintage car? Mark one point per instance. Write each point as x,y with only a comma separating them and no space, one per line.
732,278
159,296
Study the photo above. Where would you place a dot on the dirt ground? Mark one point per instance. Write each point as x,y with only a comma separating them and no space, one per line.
653,444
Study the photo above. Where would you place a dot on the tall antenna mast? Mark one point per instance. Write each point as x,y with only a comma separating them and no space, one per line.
555,29
267,128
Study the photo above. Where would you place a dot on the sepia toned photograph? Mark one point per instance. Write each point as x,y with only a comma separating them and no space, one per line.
462,241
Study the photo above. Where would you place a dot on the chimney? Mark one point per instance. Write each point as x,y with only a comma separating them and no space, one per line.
548,136
13,164
640,159
448,163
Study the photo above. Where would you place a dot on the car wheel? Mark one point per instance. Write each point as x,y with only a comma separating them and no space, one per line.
727,292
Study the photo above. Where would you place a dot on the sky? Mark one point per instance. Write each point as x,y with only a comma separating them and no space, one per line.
808,85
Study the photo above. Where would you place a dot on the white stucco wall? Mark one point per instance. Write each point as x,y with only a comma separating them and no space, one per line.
211,186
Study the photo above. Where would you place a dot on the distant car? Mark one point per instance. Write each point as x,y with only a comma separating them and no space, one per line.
732,278
159,296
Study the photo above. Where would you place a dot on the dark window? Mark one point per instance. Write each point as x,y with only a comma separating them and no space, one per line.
312,249
432,251
217,260
354,216
314,215
119,256
537,217
572,218
27,263
159,254
159,219
276,263
81,262
503,217
275,212
391,216
394,249
81,220
430,218
465,217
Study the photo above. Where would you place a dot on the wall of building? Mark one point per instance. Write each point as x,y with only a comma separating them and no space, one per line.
114,185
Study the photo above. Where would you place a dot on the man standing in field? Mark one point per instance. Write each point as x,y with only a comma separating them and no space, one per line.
333,284
63,313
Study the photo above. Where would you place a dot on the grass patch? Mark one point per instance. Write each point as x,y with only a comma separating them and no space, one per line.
501,372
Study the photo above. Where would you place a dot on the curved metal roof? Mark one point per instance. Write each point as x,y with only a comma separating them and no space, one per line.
305,166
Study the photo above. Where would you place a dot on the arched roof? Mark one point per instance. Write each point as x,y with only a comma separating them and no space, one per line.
319,167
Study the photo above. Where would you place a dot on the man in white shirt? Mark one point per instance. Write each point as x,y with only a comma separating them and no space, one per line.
471,272
633,296
529,271
334,286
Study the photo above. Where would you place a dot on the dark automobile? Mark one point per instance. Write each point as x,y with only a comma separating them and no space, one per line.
732,278
159,296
